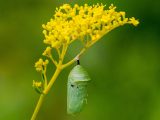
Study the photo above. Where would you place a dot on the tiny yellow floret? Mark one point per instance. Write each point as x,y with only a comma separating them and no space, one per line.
134,21
45,63
41,65
37,84
47,52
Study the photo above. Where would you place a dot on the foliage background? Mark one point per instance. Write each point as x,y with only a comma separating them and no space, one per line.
124,65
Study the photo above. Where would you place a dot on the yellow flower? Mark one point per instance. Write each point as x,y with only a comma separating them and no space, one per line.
37,84
47,52
74,23
133,21
38,65
41,65
45,63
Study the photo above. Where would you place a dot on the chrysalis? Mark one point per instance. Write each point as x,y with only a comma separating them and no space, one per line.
77,89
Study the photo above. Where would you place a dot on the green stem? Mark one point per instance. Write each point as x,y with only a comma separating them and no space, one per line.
74,59
45,92
54,77
59,66
38,107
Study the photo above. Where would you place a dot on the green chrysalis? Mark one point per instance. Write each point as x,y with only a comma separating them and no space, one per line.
77,89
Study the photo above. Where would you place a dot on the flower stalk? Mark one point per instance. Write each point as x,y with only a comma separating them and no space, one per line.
85,23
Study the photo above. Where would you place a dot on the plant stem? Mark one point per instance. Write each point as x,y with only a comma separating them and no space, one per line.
74,59
38,107
54,61
54,77
58,70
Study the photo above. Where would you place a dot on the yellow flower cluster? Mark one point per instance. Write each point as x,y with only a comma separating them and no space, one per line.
72,23
41,65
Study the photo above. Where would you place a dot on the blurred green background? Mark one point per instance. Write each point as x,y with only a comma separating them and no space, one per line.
124,65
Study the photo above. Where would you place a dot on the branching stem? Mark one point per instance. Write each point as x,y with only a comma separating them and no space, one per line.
54,61
59,67
74,59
